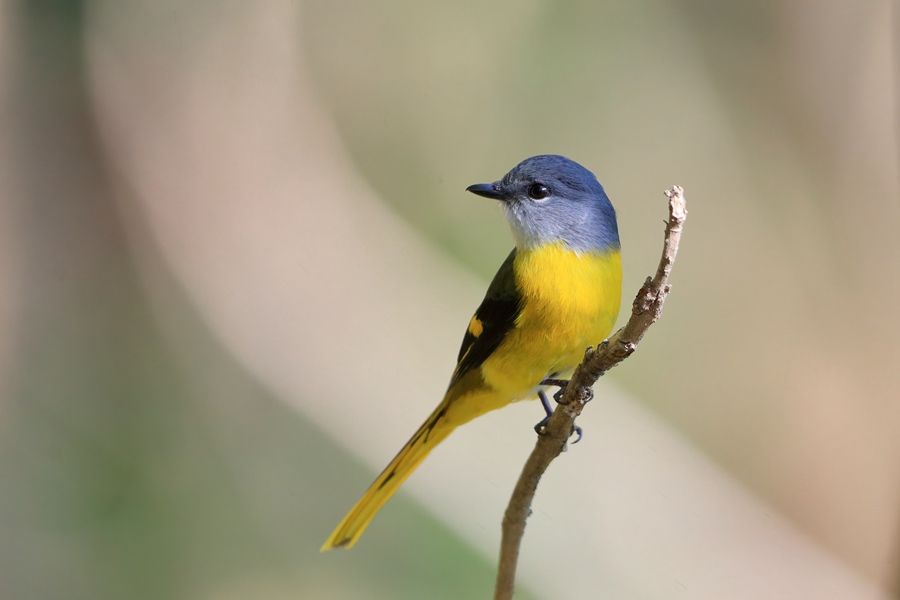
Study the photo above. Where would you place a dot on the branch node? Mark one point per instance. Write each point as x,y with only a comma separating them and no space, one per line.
584,395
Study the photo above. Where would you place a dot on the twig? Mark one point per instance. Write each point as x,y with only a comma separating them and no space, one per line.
646,309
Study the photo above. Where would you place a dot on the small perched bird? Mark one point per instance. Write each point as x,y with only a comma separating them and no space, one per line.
557,293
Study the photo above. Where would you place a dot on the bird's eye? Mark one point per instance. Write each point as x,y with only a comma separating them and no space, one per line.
538,191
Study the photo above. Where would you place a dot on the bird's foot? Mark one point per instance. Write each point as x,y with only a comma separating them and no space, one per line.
562,384
576,430
540,427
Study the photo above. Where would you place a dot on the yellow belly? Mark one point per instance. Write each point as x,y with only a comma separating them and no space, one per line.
569,302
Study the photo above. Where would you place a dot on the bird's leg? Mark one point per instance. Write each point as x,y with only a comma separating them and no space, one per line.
560,383
541,426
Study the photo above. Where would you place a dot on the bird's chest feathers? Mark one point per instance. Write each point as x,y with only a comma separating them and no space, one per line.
569,299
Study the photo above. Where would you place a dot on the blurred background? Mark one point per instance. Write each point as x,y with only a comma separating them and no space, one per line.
236,262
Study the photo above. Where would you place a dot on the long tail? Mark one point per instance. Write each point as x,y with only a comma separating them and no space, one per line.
432,432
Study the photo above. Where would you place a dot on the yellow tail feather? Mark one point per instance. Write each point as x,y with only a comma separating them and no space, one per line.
432,432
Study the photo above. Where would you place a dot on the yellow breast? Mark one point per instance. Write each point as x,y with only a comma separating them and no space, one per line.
569,301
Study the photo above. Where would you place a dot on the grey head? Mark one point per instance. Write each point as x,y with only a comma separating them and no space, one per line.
552,199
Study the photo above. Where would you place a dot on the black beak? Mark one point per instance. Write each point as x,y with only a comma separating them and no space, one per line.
488,190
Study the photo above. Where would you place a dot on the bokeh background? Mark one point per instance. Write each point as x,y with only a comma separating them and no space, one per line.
236,261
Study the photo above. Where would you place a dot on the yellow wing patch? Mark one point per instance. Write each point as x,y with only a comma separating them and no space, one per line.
475,327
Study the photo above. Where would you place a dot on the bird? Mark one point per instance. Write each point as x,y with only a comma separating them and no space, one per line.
558,292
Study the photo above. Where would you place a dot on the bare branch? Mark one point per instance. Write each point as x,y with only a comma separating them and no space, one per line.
646,309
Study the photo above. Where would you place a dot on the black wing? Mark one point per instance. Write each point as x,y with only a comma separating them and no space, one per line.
492,321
